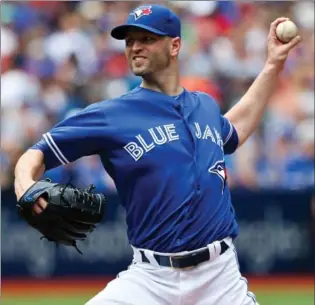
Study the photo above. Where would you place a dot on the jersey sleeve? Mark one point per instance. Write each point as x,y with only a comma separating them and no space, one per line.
82,134
229,136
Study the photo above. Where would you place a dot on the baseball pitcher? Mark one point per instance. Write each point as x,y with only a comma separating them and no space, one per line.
164,147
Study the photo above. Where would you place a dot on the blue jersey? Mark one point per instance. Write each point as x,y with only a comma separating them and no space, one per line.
166,157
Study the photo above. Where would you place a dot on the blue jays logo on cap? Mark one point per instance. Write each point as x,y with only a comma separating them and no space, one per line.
158,19
142,11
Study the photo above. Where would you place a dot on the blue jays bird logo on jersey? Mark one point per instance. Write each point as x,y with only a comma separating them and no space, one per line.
219,169
142,11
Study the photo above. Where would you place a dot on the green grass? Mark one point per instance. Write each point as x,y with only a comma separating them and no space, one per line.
264,298
45,301
281,298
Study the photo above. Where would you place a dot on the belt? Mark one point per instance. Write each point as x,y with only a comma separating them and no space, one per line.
184,261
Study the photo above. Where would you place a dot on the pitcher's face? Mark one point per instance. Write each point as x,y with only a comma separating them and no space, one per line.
146,52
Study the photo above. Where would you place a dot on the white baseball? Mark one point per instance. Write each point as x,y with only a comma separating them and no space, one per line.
286,30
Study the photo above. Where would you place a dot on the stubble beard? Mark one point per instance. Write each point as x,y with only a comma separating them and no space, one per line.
151,67
141,70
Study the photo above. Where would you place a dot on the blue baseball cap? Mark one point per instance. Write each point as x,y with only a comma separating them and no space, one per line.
155,18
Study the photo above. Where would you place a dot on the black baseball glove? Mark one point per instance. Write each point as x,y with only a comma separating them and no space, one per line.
71,214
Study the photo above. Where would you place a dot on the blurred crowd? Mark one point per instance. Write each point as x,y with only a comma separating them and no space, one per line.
58,57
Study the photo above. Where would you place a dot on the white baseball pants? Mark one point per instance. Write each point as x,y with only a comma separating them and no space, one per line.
215,282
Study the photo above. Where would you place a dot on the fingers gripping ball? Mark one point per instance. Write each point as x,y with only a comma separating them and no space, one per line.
71,214
286,31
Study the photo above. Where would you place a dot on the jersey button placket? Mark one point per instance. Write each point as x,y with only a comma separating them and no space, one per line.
198,190
191,134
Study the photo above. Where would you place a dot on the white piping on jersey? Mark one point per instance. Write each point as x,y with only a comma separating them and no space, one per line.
53,146
230,133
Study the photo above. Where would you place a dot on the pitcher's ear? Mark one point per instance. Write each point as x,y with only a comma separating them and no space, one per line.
175,46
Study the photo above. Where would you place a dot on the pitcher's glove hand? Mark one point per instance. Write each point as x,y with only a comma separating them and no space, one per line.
71,214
